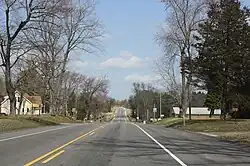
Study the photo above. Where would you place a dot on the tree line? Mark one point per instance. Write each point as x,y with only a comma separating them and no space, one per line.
210,41
145,97
37,39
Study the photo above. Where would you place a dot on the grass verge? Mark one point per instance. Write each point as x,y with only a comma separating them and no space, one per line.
22,122
53,119
243,137
9,124
226,130
168,122
215,125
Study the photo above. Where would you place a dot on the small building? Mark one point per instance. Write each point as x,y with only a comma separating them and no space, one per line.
197,112
25,105
36,104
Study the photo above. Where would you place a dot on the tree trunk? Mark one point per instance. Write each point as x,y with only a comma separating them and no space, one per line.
211,113
12,105
52,103
10,89
183,89
190,111
147,115
20,104
88,111
66,108
60,79
189,98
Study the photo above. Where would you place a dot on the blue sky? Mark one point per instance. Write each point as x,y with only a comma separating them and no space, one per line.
130,47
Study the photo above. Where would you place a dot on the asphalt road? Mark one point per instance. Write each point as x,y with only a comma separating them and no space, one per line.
118,143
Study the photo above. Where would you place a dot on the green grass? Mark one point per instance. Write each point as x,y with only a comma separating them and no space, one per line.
169,122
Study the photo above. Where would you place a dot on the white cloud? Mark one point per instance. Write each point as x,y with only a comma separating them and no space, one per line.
125,60
142,78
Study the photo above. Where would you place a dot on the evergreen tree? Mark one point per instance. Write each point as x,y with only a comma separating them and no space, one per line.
223,46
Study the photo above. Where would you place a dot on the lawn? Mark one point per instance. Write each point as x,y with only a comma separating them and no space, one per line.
169,122
216,125
238,130
16,124
243,137
227,130
53,119
21,122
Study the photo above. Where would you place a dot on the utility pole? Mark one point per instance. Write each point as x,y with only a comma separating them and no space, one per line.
160,104
137,112
154,112
147,115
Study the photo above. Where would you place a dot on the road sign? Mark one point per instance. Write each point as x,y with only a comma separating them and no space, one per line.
154,109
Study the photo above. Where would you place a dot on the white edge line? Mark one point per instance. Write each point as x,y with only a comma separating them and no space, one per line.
165,149
208,134
92,133
40,132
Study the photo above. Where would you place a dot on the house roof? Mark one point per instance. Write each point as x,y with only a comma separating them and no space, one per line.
31,99
35,99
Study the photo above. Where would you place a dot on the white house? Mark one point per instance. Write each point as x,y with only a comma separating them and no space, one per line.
199,111
30,105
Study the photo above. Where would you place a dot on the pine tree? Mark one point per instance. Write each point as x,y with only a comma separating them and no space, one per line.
223,47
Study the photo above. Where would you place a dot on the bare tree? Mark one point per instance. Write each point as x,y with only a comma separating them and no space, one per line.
177,39
81,30
99,104
144,99
75,27
166,68
18,15
71,83
47,55
91,87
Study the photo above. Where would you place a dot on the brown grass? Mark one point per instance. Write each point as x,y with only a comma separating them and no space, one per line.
8,123
216,125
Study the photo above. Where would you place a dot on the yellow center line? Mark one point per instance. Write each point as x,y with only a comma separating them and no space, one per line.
59,148
55,155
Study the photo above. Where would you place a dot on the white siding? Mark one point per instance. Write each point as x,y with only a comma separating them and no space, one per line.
25,104
197,111
5,106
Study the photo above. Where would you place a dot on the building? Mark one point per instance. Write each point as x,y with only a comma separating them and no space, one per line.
197,112
25,105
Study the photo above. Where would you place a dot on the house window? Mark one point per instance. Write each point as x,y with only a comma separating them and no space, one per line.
27,109
23,110
19,99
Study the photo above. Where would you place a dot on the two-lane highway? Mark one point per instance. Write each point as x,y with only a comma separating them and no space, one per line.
120,116
118,143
